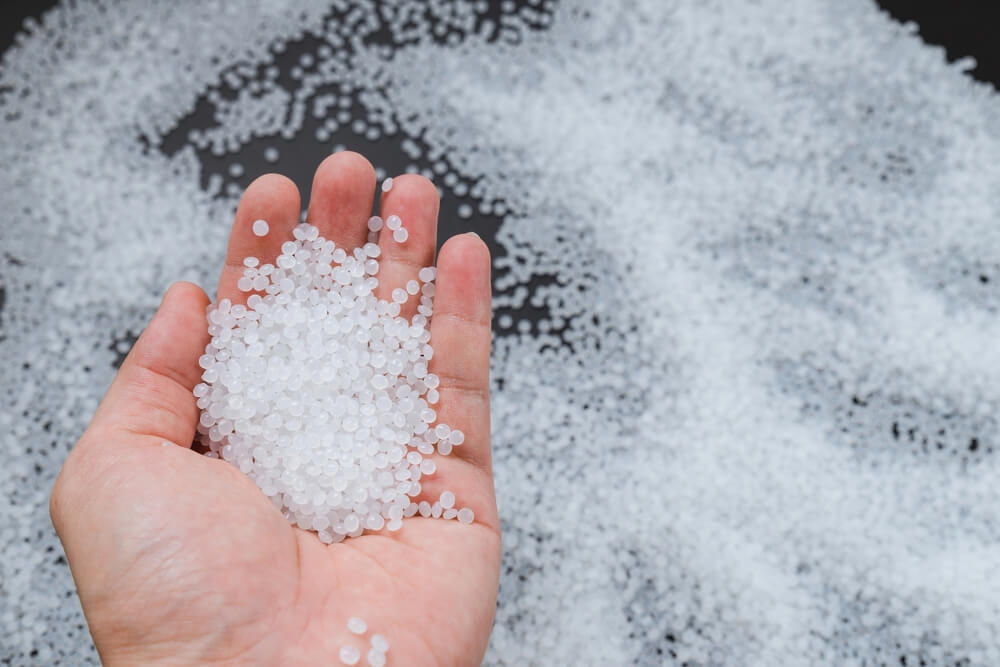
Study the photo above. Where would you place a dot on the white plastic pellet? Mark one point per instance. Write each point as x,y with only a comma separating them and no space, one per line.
350,655
260,227
380,643
357,625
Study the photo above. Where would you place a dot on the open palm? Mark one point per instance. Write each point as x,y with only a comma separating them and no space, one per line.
180,559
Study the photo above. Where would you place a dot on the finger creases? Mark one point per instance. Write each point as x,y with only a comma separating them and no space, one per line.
460,334
151,394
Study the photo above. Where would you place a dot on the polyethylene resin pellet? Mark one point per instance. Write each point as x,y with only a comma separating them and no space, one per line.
320,391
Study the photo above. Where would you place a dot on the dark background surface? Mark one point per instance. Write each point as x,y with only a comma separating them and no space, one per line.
963,27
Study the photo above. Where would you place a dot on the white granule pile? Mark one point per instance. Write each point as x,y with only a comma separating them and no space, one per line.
320,391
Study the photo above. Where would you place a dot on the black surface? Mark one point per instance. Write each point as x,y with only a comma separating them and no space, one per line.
962,27
12,16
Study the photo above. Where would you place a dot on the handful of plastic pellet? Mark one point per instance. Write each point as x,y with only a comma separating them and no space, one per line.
320,392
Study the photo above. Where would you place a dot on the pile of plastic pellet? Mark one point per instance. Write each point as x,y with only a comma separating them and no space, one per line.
320,391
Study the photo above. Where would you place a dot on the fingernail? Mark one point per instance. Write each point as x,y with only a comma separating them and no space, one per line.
475,234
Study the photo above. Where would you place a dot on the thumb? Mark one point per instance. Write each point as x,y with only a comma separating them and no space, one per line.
151,395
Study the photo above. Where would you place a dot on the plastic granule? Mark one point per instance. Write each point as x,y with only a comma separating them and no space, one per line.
376,658
350,655
357,625
380,643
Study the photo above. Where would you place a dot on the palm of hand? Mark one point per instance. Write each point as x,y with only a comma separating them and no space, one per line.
180,558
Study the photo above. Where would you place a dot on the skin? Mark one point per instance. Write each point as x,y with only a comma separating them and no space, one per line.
179,559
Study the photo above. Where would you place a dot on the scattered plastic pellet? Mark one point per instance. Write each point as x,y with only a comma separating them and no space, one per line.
756,244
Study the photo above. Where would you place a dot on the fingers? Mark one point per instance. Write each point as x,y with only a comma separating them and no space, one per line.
272,198
415,200
341,201
151,395
460,334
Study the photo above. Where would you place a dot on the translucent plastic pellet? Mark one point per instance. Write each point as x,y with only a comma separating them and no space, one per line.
350,655
400,235
380,643
376,658
357,625
260,227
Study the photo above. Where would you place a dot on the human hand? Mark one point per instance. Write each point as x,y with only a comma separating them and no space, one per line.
180,559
